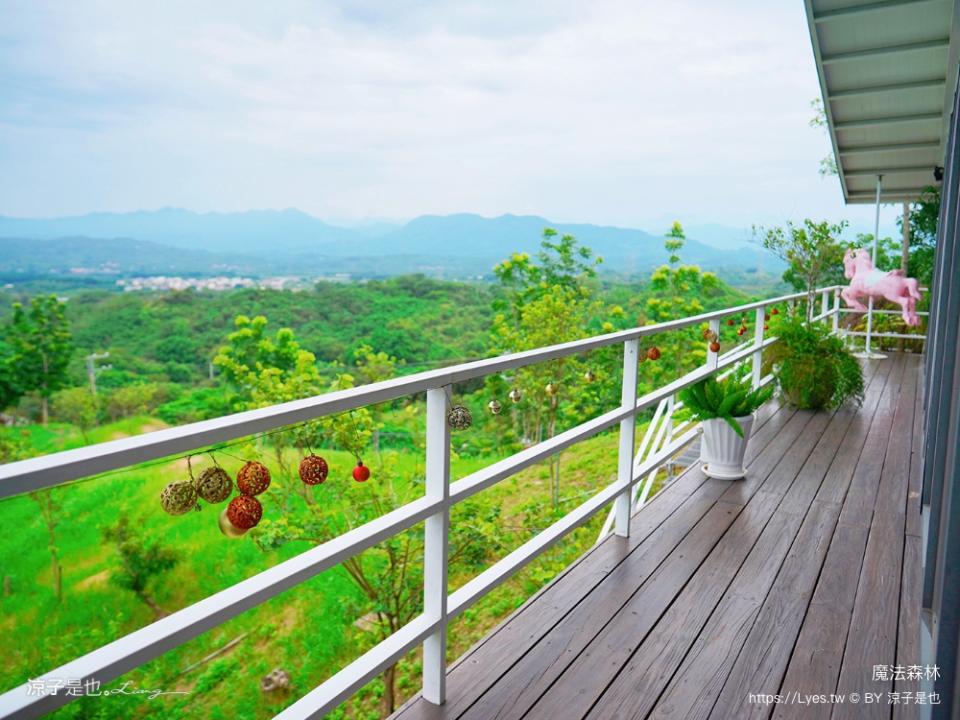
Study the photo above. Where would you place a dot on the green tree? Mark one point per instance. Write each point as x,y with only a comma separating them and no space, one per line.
10,391
924,217
812,251
77,406
262,370
141,560
545,302
42,347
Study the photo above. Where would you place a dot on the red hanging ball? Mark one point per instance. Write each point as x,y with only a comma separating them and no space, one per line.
653,353
730,322
253,478
766,327
741,330
313,470
244,512
715,347
774,311
361,473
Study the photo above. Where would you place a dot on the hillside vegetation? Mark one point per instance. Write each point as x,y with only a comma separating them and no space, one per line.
96,559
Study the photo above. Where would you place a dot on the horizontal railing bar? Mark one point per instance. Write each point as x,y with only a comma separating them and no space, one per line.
898,336
326,696
492,474
493,576
147,643
877,311
49,470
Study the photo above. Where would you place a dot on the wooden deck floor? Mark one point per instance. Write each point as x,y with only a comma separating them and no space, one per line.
800,578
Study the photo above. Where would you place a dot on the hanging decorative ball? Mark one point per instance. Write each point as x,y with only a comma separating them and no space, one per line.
653,353
730,322
227,527
361,473
214,484
711,336
178,498
253,478
741,330
313,470
495,406
774,311
589,376
552,389
766,327
515,395
714,347
707,333
459,417
244,512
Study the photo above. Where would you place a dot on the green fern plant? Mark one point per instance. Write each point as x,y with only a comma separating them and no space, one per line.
725,399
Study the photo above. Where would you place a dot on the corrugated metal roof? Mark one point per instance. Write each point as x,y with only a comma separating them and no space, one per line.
888,71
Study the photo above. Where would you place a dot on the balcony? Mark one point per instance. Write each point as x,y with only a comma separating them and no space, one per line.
797,580
710,591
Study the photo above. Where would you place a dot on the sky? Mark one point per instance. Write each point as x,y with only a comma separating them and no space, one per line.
618,112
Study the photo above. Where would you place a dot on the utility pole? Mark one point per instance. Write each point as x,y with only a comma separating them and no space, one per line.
92,368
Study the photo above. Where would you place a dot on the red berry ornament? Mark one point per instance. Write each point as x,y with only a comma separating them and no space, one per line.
774,311
244,512
741,330
361,473
653,353
715,347
253,478
730,322
766,327
313,470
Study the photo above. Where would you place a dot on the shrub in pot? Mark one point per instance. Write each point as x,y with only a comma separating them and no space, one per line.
812,367
725,410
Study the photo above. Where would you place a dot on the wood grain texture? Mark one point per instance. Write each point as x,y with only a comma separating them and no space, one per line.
796,580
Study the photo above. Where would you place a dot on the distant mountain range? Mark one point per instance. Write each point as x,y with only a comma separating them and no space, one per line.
266,242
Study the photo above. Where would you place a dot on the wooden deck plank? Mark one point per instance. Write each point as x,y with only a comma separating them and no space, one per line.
764,658
481,667
558,650
712,656
872,638
635,690
786,580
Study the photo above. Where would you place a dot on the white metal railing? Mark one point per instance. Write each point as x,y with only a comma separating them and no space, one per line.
137,648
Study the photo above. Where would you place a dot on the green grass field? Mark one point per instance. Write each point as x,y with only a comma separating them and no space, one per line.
308,631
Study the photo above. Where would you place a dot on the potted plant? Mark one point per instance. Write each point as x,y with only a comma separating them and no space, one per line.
725,410
812,367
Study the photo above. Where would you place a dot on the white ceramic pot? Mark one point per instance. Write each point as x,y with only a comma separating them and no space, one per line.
722,450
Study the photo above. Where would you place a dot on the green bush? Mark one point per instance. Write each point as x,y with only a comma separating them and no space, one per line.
813,368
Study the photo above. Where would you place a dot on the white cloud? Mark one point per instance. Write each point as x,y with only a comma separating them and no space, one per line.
613,111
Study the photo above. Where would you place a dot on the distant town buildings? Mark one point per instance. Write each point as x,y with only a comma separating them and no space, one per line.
220,283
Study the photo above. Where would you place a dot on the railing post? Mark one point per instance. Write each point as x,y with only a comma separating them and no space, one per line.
436,533
836,310
713,359
824,304
759,320
669,436
628,399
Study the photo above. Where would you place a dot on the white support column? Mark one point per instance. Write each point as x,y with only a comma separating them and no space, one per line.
628,398
436,534
867,350
759,320
836,310
824,304
713,359
668,418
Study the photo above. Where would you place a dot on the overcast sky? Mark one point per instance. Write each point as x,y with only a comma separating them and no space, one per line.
627,112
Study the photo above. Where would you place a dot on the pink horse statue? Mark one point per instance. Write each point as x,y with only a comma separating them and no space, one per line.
867,281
